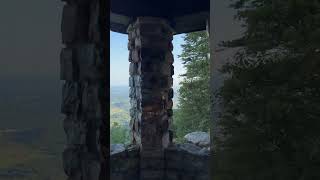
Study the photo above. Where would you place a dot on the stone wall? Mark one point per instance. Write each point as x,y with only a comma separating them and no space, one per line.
181,162
186,162
150,81
125,164
151,91
84,92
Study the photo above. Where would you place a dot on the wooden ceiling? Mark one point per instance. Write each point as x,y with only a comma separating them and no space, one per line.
183,15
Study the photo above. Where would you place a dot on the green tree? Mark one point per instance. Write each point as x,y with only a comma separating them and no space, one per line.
119,134
271,117
193,111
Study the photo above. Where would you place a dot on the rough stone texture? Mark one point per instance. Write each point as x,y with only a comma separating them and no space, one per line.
201,139
84,93
150,83
116,148
125,163
186,161
180,162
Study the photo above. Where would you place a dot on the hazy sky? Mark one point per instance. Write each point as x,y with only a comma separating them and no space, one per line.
30,43
119,64
30,40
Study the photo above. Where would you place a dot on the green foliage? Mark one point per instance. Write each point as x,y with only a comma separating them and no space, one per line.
272,99
193,111
119,115
119,134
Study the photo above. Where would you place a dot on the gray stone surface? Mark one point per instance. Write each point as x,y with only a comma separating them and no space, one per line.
125,164
150,81
68,24
84,92
198,138
116,148
67,70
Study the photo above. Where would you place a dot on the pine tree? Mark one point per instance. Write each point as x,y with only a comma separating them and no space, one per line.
193,112
272,100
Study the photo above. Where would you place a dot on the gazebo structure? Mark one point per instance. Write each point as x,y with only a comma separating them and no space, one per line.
150,26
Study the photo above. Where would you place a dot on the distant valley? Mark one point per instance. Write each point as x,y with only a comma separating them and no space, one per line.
31,132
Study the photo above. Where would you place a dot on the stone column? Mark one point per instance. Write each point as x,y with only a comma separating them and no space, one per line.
151,91
84,89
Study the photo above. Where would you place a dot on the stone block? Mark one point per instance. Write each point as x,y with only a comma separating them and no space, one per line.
70,98
170,112
130,57
92,137
135,55
91,104
151,55
170,120
187,177
170,93
134,151
133,103
149,99
173,157
94,25
90,167
165,69
152,108
152,164
169,57
137,81
131,32
132,92
89,62
138,92
151,175
67,67
76,176
172,70
170,46
170,104
117,176
156,44
133,67
75,132
137,125
202,176
166,139
170,82
171,175
147,153
68,24
132,175
154,81
148,135
132,112
71,160
139,70
131,81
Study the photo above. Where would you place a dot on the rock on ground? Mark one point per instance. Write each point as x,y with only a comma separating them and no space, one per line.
198,138
116,148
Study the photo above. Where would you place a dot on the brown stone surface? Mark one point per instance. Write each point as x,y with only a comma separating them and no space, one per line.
150,80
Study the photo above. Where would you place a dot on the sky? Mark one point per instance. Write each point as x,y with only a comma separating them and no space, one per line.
119,64
30,40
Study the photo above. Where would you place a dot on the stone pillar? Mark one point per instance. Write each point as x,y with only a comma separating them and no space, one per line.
151,91
84,89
